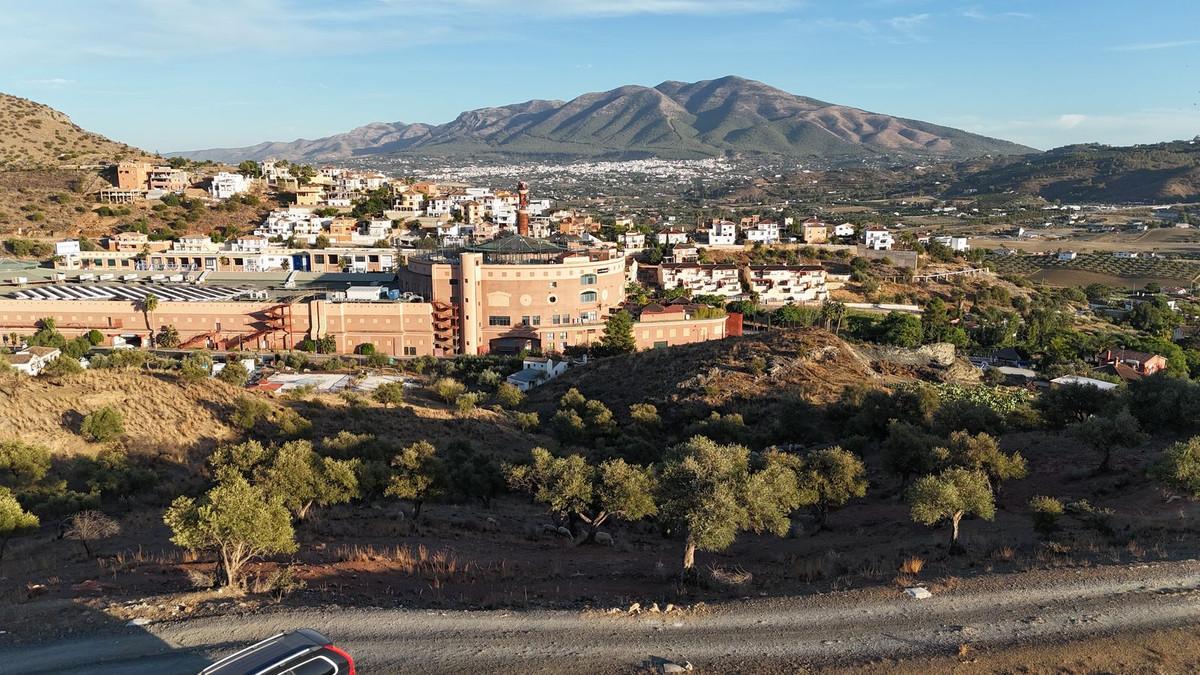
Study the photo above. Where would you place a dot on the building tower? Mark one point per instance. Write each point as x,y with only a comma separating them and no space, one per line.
523,209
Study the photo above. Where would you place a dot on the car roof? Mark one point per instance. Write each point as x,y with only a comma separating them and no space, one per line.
264,655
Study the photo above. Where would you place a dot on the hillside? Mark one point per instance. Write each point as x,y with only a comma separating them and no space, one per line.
161,416
33,135
689,381
1162,172
677,120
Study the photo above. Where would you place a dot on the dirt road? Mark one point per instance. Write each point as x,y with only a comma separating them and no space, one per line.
765,635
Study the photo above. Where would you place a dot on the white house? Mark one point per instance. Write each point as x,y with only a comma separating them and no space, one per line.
632,240
671,236
956,244
843,230
722,233
879,240
1125,254
722,280
780,284
33,360
1067,256
226,185
763,233
536,370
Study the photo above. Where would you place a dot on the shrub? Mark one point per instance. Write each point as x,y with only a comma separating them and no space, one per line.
389,393
248,410
95,337
90,526
1179,466
508,395
103,425
466,402
448,389
195,367
526,421
1045,512
234,373
63,365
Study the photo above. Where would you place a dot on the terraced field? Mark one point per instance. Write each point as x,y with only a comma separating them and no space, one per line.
1178,270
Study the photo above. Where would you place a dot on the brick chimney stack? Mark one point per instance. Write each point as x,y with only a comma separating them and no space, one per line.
523,209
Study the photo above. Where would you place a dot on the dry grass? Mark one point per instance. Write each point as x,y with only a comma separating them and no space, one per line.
160,414
912,566
33,135
439,565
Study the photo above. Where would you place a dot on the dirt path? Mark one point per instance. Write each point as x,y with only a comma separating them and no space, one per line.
777,635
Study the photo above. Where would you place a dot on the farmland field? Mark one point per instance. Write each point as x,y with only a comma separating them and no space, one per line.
1099,268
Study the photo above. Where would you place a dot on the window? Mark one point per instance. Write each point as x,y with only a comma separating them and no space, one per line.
661,344
556,319
587,279
410,351
319,258
552,299
500,320
587,317
553,284
587,296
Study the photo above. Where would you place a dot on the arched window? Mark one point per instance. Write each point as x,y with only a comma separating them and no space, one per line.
587,296
588,279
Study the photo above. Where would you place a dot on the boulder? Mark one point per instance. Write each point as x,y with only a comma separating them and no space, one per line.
604,539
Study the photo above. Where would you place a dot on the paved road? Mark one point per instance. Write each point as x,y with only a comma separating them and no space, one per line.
761,635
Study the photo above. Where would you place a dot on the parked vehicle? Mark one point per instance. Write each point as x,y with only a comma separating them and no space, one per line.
301,652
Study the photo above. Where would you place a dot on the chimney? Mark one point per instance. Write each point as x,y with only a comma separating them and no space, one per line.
523,209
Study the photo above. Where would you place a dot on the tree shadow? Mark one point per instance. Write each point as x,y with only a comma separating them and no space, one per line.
107,645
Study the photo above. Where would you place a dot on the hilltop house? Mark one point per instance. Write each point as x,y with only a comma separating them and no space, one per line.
701,279
879,239
813,231
33,360
671,237
1126,362
722,233
536,370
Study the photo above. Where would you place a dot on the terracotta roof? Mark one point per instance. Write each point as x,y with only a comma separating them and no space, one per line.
43,351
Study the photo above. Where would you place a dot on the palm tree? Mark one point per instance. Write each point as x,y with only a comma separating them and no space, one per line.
149,304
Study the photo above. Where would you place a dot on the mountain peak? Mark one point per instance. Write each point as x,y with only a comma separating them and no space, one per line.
674,120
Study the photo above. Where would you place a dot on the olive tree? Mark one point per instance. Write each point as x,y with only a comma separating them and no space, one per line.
831,477
238,520
14,520
418,475
301,478
1179,466
982,452
389,393
22,464
102,425
950,495
710,493
234,373
571,487
1106,433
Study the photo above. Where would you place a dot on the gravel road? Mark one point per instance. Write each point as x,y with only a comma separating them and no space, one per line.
764,635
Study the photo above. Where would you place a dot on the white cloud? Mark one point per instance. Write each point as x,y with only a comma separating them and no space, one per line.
896,30
981,15
1070,121
1155,46
1151,125
50,82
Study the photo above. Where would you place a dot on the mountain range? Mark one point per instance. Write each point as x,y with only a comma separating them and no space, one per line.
674,120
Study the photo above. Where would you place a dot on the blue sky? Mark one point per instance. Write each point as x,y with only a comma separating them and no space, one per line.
187,74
